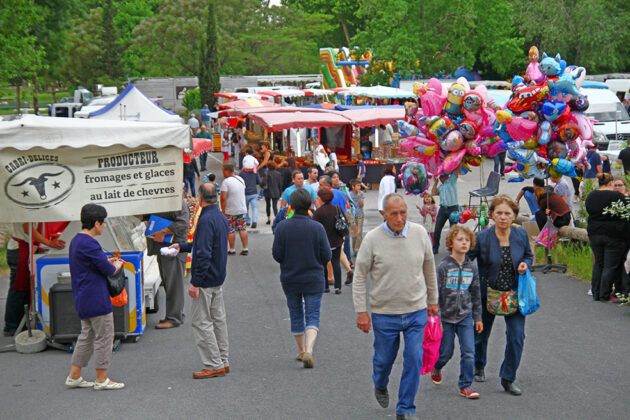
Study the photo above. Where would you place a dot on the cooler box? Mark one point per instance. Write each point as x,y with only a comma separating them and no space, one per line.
53,269
65,325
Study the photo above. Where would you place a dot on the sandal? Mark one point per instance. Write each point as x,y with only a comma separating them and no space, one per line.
78,383
108,385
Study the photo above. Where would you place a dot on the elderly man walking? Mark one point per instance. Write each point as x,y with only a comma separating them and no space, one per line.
398,256
207,274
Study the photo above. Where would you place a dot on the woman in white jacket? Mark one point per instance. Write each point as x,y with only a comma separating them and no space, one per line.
387,184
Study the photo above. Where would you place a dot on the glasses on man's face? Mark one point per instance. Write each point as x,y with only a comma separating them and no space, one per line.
618,185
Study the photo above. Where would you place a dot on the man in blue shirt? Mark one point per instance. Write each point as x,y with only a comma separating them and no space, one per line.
205,116
298,182
595,161
207,274
449,202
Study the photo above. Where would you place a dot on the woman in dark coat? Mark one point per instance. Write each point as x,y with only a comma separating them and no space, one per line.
325,215
558,209
502,252
301,247
272,186
608,236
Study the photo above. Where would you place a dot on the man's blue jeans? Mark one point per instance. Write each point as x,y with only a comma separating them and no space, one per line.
515,339
466,333
252,200
189,182
203,158
303,311
387,329
443,215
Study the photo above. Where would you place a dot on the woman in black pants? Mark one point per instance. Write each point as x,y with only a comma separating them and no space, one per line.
325,215
608,236
272,185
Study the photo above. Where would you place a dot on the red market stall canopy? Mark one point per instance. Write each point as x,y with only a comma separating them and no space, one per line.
245,111
285,118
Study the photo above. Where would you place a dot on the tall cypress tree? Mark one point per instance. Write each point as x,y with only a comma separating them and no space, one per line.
209,81
111,54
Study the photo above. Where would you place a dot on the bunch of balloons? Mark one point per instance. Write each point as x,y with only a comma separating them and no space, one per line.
543,126
414,178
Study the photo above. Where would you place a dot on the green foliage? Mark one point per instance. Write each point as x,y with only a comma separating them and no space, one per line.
20,55
346,22
576,255
4,267
209,79
590,33
192,100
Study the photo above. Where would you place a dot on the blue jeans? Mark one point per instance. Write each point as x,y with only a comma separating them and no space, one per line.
515,339
190,181
499,162
252,200
347,248
303,311
387,329
203,158
443,215
466,333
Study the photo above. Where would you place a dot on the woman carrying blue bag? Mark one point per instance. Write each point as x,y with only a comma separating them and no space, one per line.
503,253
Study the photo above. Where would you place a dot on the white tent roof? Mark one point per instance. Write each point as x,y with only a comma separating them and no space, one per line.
133,105
31,131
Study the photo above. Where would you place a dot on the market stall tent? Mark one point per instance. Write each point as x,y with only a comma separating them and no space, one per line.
133,105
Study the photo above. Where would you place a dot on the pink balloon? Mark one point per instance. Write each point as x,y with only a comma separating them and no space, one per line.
432,103
584,124
483,91
451,161
495,148
435,86
521,129
464,82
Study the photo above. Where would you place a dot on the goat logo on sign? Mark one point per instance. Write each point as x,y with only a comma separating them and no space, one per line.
41,185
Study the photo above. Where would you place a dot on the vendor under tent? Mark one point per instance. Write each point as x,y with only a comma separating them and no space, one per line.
51,167
133,105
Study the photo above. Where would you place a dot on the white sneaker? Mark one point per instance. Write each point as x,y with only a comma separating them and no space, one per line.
78,383
590,292
108,385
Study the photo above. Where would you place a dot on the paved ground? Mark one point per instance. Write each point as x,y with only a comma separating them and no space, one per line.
574,364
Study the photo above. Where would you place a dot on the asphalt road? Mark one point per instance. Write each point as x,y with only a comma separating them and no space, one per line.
574,366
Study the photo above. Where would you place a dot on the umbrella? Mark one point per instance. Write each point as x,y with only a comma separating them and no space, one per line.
201,145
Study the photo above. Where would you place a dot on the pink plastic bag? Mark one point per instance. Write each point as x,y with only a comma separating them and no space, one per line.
431,344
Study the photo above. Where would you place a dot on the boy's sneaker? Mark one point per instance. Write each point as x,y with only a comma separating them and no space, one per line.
469,393
436,376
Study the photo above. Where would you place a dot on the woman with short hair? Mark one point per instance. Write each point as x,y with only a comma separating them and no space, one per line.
502,252
89,268
387,184
301,247
326,215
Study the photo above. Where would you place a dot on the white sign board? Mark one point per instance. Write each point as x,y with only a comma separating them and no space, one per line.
52,185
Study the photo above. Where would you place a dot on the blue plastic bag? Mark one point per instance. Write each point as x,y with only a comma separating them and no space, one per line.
527,297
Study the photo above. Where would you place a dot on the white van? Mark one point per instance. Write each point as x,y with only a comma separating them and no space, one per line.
613,122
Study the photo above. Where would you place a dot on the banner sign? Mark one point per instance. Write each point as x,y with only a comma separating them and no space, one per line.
41,185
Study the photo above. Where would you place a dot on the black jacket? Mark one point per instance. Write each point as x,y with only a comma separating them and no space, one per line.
209,248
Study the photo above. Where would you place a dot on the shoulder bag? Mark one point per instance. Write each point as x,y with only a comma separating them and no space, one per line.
341,224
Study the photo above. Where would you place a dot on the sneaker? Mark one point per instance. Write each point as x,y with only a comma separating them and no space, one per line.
232,252
436,376
590,292
469,393
244,252
78,383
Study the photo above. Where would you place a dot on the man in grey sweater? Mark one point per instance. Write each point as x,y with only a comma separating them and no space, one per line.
398,256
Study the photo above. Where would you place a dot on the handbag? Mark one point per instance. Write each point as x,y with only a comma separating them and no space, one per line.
116,283
527,296
341,224
500,302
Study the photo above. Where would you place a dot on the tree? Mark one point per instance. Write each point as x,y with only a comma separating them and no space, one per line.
110,57
82,50
20,56
209,79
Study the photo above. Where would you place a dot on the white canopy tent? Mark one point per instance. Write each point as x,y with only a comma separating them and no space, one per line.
133,105
51,167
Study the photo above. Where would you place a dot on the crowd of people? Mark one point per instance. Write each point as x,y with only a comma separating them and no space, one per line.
318,228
